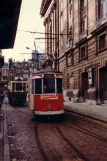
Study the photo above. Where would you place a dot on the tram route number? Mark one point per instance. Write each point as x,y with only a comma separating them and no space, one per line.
48,75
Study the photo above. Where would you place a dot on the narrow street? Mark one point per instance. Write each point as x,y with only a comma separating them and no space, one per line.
76,138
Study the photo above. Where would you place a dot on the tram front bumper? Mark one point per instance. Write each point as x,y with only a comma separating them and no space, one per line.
49,112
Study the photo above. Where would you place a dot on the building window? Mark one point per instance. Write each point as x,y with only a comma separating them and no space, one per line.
70,7
3,77
83,24
102,9
83,53
102,42
83,4
69,59
61,16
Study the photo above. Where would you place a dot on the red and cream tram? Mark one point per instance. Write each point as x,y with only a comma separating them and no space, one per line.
45,95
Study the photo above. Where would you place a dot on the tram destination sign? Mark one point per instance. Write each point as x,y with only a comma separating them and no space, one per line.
48,75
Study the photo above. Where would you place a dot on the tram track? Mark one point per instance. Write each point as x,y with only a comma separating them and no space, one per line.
76,153
41,149
79,153
46,153
87,116
87,132
85,120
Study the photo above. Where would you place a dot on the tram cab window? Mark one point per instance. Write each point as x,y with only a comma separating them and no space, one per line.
59,85
38,86
18,86
49,85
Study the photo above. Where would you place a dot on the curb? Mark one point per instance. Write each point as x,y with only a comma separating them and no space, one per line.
6,141
88,116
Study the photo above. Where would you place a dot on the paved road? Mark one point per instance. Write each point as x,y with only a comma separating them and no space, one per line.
76,138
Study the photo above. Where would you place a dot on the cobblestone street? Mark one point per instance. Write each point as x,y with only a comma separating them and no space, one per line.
75,138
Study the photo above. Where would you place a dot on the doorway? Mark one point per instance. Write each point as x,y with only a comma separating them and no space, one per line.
85,85
103,83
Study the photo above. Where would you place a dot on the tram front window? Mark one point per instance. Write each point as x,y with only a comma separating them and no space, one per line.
59,85
18,86
49,85
38,86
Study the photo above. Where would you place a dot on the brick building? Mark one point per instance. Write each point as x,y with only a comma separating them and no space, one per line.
81,48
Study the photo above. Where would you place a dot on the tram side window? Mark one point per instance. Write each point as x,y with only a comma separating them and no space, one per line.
49,85
38,86
24,87
18,86
59,85
13,87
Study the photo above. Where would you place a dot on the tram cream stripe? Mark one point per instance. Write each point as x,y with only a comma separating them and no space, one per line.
48,112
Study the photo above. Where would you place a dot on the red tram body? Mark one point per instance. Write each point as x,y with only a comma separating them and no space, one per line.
45,95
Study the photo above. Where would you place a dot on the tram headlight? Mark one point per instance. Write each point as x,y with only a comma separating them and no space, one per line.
49,107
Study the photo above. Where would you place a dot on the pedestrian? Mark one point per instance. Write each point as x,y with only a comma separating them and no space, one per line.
1,98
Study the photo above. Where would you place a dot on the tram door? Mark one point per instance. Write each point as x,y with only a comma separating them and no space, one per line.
30,94
32,86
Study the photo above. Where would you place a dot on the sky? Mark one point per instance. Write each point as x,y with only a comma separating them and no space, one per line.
29,20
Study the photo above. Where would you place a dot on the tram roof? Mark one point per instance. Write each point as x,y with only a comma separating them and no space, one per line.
47,70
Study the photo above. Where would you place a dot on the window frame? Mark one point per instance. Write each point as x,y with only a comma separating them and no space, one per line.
83,28
102,34
82,4
86,52
100,9
70,55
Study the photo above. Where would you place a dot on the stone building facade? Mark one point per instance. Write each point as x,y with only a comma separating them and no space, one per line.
21,69
82,47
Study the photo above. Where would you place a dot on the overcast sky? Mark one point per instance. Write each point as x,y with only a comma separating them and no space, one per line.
29,20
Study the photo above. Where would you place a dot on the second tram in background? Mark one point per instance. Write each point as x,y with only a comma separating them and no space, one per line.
45,94
17,91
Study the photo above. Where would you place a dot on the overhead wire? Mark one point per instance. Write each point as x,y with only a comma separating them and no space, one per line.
33,32
61,33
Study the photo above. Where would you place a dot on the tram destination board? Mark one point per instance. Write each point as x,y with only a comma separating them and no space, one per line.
48,75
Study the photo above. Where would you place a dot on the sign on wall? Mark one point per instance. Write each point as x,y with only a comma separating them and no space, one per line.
91,76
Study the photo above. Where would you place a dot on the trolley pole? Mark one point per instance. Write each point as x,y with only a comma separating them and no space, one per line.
37,56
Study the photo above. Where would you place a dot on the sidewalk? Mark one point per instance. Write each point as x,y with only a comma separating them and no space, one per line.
98,112
4,143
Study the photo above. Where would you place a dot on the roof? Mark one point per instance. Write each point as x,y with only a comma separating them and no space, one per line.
44,6
9,15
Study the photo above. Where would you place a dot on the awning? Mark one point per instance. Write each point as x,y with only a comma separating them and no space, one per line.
9,15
